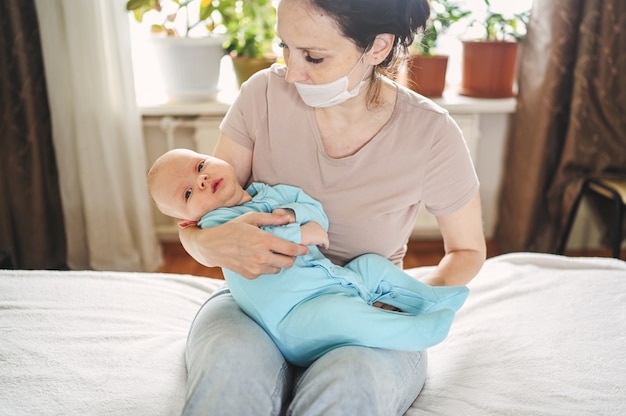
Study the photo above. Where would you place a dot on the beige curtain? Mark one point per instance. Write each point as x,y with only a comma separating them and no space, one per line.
570,120
97,135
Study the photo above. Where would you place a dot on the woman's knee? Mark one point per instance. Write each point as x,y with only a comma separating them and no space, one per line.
229,356
360,380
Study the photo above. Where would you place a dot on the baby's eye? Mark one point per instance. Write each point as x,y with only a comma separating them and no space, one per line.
187,194
200,166
282,45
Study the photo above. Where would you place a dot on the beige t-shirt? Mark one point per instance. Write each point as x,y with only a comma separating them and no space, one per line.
371,197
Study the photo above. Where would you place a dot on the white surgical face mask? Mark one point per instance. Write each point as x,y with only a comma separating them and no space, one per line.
332,93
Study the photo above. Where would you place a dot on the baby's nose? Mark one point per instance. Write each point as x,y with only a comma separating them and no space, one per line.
202,180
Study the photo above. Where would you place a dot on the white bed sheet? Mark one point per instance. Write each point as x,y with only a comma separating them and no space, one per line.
539,335
95,343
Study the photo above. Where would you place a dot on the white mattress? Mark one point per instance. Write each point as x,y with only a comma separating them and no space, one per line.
539,335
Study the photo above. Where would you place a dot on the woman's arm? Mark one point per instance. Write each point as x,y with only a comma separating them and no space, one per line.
464,245
239,245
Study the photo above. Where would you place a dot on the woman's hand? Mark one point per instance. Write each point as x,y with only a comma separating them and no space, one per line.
241,246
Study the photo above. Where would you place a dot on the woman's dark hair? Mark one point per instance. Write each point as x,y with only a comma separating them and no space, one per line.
363,20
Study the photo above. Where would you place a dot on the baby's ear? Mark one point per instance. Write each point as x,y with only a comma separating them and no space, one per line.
186,223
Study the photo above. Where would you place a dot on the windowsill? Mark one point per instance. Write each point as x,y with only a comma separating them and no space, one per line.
216,107
456,103
158,104
451,101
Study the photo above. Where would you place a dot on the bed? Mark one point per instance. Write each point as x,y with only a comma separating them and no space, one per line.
539,335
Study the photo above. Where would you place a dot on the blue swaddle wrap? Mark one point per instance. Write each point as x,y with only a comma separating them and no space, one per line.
316,306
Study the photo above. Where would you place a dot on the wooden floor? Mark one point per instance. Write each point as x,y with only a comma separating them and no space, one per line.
420,253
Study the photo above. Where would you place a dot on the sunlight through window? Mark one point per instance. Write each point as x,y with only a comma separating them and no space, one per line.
150,89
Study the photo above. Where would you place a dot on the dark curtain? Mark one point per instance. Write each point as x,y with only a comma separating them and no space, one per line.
31,218
570,121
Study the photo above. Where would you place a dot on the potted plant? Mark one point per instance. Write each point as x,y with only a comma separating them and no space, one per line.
187,48
250,27
426,70
490,63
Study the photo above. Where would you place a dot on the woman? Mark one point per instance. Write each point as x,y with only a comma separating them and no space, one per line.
370,151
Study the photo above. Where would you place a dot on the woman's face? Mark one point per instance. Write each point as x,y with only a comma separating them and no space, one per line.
315,50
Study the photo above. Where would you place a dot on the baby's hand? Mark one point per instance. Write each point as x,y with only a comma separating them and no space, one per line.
286,212
314,235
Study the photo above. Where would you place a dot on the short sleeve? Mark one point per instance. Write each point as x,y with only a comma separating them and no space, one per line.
450,178
248,111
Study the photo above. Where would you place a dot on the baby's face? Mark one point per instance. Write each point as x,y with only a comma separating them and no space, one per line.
189,184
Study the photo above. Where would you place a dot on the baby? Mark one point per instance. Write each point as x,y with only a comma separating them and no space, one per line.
315,305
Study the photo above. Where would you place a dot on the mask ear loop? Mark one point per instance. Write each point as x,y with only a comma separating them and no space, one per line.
357,64
375,73
390,65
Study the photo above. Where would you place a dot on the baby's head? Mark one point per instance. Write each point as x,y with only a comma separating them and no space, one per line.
186,185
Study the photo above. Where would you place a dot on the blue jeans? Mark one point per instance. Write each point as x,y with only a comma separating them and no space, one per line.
234,368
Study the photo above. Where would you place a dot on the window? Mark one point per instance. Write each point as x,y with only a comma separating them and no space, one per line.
147,78
450,43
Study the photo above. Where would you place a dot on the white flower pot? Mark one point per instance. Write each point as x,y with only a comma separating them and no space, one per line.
190,67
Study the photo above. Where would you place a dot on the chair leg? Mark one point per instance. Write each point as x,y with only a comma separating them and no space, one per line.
570,219
617,243
5,259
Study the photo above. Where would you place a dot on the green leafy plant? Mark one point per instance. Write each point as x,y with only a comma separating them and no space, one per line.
499,27
172,11
250,27
444,13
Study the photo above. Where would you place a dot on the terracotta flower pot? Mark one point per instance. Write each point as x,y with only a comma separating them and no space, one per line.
489,69
246,67
427,74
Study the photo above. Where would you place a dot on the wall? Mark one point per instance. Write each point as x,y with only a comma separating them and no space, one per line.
196,126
